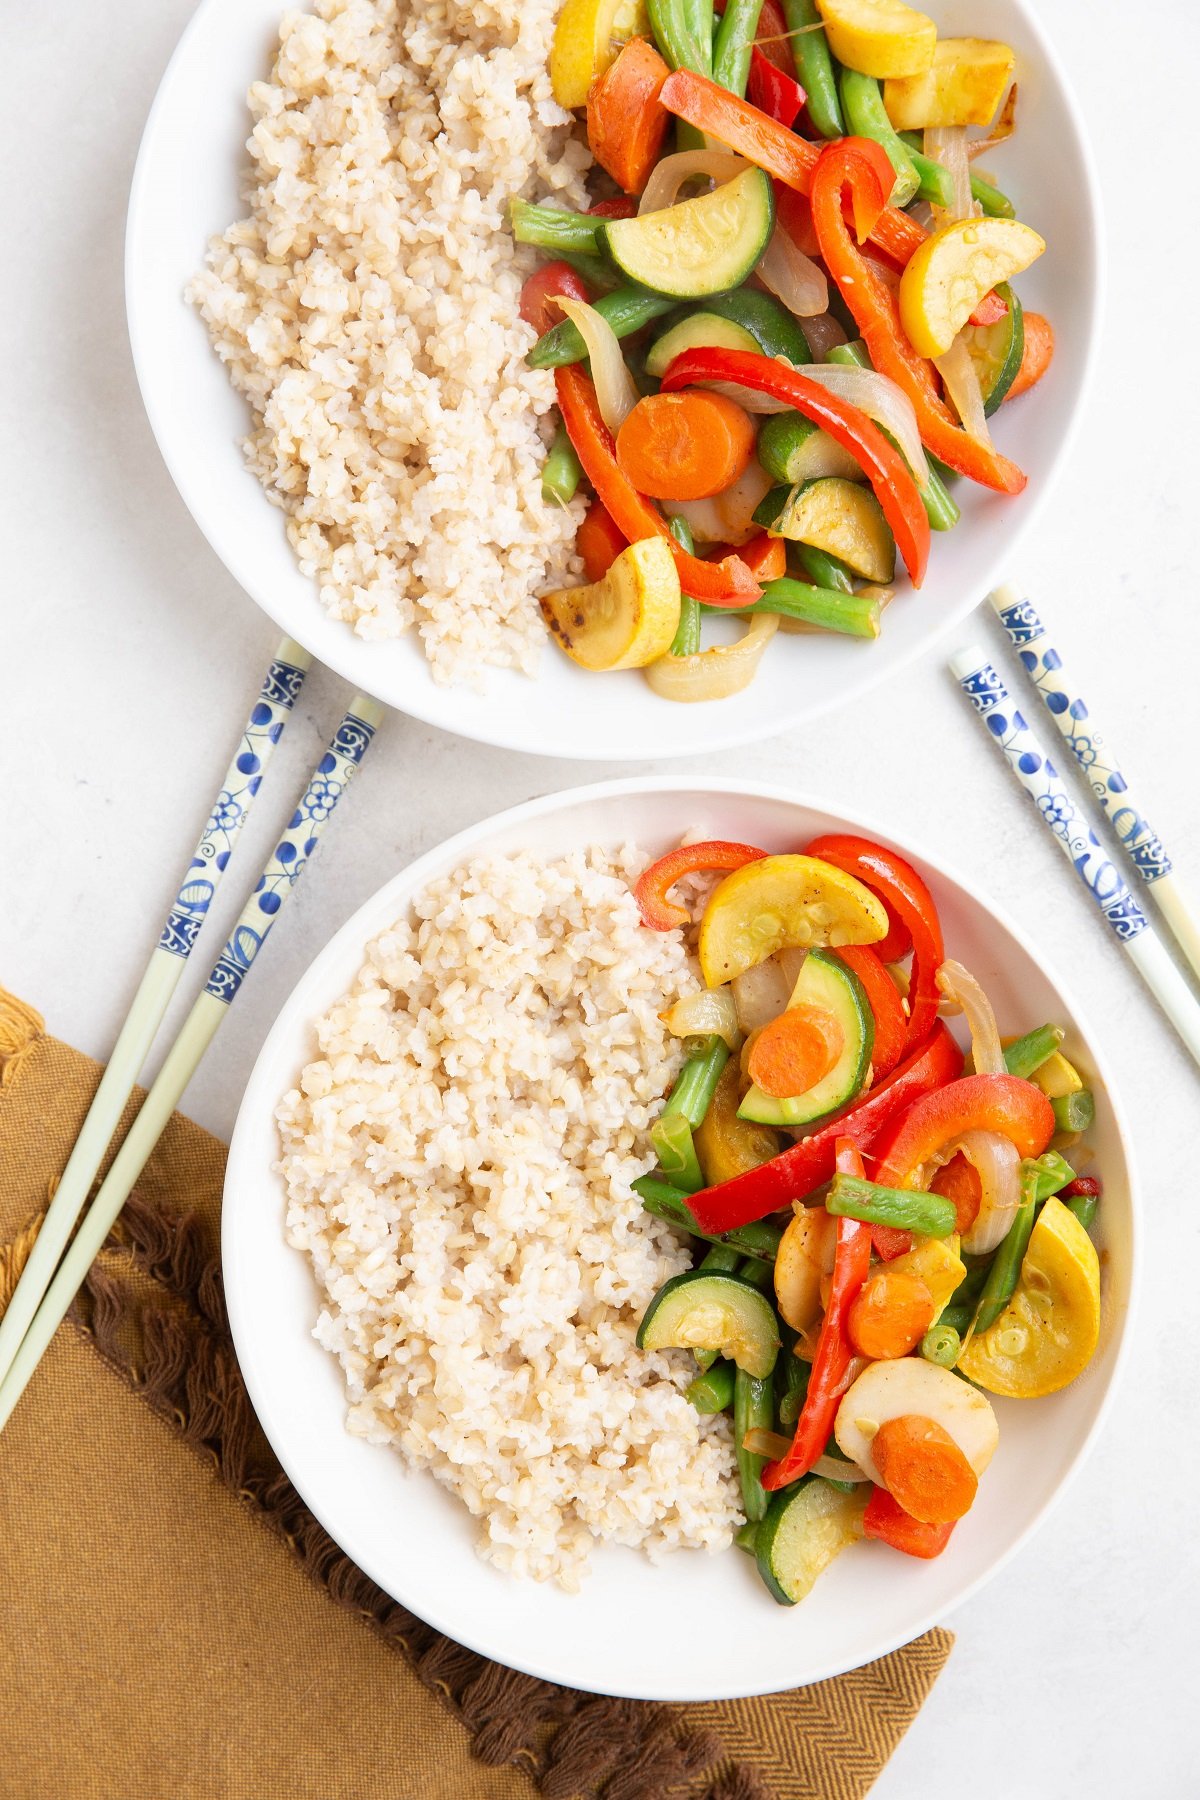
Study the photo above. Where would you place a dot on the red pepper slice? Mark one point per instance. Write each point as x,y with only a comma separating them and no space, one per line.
727,583
765,556
551,278
860,169
849,426
774,92
763,141
826,1384
798,1170
1015,1108
883,997
650,890
909,902
1084,1187
620,208
887,1520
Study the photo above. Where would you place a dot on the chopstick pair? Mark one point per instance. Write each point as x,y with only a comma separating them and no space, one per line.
50,1279
1069,824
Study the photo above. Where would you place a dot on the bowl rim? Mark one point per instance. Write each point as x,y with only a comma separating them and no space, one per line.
341,650
406,881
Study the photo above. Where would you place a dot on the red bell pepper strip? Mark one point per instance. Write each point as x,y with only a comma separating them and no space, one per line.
1015,1108
620,208
652,885
727,583
775,93
826,1384
598,542
883,997
885,468
907,900
780,152
765,556
552,278
887,1520
793,212
1084,1187
796,1171
860,168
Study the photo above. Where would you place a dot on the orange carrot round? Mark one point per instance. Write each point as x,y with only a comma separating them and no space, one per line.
891,1314
924,1469
685,446
598,541
1037,355
794,1051
959,1182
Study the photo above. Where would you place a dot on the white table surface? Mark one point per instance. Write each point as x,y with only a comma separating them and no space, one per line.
128,656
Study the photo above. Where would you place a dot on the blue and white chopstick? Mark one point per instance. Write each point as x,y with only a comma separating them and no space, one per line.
1101,878
314,809
230,810
1093,752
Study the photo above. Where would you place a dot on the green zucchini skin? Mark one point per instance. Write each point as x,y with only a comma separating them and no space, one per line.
996,351
827,982
700,247
738,1320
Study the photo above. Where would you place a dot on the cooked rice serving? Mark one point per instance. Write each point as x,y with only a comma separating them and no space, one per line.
367,309
458,1159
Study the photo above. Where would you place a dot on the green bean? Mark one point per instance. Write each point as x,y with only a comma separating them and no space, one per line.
747,1538
1084,1207
791,1385
905,1209
627,309
597,271
753,1409
854,615
941,1344
823,571
734,42
814,66
676,36
671,1136
686,641
940,508
1075,1112
758,1274
703,26
1028,1054
722,1259
863,110
552,227
760,1238
712,1392
995,204
1005,1271
696,1083
956,1318
935,182
562,471
1053,1173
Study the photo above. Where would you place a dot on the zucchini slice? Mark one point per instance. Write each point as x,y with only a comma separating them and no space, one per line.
805,1527
996,351
702,1311
792,449
825,982
842,518
700,330
776,331
699,247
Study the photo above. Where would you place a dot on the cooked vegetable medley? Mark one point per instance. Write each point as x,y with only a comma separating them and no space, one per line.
780,342
888,1230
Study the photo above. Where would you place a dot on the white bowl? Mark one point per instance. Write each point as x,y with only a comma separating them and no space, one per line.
186,188
697,1626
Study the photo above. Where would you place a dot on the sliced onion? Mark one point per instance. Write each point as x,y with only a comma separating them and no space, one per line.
717,673
947,144
961,381
791,961
882,401
997,1162
747,398
1003,127
793,277
959,985
854,1369
669,175
728,518
699,1015
766,1443
833,1469
616,394
823,334
761,994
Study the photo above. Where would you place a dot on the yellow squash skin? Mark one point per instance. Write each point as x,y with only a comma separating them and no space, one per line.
879,37
1047,1333
586,40
953,269
624,620
964,85
780,903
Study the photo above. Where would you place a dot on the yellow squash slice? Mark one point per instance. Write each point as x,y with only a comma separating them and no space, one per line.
783,903
587,38
624,620
936,1262
1047,1333
879,37
964,85
953,269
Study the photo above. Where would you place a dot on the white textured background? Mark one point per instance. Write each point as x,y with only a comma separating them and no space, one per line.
128,657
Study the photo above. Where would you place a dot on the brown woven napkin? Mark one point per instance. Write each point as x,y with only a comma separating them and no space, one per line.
176,1622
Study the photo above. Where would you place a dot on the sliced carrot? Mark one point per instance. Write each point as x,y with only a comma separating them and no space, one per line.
626,120
959,1182
1037,356
795,1051
765,556
924,1469
891,1314
598,541
685,446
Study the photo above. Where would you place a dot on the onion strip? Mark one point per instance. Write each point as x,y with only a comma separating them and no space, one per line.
961,381
881,400
761,994
699,1015
997,1162
960,986
947,145
717,673
823,333
793,277
616,393
668,176
833,1469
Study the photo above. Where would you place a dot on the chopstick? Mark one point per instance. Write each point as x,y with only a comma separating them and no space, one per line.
283,870
1026,757
230,809
1094,753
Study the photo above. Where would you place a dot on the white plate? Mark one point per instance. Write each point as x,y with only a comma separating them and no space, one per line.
186,188
698,1626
